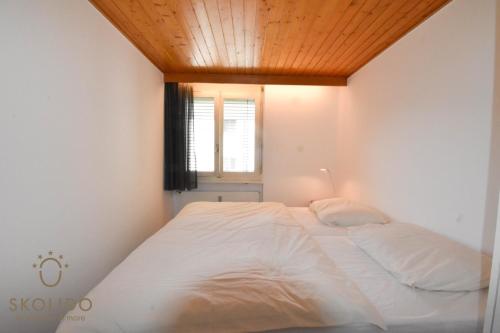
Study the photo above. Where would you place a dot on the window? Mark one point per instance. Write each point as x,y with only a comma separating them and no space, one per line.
204,135
239,135
227,129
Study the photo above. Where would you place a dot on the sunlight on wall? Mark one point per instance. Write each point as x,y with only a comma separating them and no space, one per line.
299,139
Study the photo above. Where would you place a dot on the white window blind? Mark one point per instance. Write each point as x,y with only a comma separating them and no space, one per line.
239,135
204,133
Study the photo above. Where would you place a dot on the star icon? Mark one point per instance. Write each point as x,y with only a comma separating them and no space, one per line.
50,253
34,265
60,257
66,265
39,256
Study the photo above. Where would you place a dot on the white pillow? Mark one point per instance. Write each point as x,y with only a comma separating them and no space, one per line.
345,213
421,258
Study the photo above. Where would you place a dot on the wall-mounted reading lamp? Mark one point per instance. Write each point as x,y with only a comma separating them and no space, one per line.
329,172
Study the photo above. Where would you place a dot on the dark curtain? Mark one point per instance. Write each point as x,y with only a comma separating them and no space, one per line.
180,161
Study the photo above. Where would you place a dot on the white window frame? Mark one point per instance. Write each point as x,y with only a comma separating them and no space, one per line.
219,92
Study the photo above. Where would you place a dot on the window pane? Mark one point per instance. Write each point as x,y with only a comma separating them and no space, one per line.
204,131
239,135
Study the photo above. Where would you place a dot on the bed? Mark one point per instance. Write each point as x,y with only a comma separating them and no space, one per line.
404,309
360,297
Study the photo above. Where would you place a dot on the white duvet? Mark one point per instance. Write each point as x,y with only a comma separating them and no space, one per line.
225,267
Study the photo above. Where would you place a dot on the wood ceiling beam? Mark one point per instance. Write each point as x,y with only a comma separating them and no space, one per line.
313,80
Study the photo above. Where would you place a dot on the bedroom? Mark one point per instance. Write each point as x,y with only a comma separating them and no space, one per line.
413,131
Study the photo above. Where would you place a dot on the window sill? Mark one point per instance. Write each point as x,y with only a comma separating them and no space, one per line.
203,180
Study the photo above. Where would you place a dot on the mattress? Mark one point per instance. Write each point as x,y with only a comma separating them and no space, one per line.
141,293
224,267
404,309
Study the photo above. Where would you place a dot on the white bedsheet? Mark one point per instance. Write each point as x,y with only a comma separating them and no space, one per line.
405,309
226,267
313,225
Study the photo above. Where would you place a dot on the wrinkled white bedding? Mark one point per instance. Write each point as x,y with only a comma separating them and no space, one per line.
423,259
225,267
404,309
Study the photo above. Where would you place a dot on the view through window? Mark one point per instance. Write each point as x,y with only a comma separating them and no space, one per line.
227,134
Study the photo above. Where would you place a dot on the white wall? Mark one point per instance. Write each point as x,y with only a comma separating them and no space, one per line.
80,150
414,125
299,139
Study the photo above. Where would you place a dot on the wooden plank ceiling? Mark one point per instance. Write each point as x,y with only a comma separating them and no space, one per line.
261,40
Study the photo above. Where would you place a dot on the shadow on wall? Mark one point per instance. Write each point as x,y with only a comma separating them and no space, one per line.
493,189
